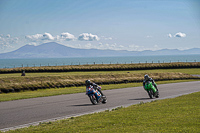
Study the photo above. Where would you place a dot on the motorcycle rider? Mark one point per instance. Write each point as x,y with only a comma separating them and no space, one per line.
91,88
146,79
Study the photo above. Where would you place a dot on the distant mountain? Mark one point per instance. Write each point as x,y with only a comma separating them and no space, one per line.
55,50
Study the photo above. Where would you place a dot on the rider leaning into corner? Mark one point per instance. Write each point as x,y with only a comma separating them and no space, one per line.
146,79
91,88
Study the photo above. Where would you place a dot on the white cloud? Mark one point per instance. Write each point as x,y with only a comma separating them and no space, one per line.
88,37
67,36
106,38
89,45
133,47
100,44
47,36
40,37
179,34
32,43
169,35
7,42
121,46
8,36
35,37
111,46
109,38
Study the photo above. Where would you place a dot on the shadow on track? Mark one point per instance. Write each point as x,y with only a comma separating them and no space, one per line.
140,99
83,105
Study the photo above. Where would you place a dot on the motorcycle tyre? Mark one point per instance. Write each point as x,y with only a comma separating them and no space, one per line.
93,101
150,93
157,96
104,99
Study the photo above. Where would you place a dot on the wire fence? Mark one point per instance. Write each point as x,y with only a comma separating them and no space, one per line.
89,63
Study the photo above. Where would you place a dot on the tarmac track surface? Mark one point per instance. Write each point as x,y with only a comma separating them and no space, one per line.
22,113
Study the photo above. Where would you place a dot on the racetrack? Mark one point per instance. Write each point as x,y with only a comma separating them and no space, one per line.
20,113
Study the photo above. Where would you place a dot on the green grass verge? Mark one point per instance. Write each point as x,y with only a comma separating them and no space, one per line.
175,115
70,90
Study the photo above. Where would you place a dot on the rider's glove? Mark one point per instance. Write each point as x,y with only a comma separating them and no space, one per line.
99,87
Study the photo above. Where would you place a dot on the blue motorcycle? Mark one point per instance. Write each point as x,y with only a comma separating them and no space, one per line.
97,96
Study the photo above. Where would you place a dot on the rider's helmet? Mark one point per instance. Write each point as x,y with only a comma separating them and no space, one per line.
87,82
146,77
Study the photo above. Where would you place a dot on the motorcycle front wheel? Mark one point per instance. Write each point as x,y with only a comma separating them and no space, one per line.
104,99
150,93
157,95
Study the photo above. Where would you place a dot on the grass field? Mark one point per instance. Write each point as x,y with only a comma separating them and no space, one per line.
177,115
39,78
33,81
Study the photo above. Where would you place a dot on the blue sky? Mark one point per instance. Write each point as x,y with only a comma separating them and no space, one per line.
133,25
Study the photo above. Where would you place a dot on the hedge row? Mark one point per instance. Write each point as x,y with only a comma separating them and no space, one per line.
49,85
103,67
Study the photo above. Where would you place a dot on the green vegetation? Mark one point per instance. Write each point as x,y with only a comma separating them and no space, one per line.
70,90
179,114
171,115
34,81
50,81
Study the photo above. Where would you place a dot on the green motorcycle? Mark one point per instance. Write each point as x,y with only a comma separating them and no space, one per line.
151,90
